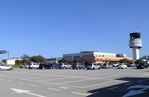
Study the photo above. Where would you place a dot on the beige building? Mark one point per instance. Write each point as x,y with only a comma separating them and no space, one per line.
94,56
11,61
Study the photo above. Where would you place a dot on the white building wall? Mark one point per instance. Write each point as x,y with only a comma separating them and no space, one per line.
10,61
101,53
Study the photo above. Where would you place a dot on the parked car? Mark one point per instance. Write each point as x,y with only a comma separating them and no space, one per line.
66,66
115,64
45,66
106,66
122,66
78,66
146,65
34,66
26,66
131,65
93,66
5,67
140,66
56,66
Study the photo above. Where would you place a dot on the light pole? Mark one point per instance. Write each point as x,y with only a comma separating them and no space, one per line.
7,54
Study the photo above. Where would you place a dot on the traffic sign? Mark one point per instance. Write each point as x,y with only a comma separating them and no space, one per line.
3,51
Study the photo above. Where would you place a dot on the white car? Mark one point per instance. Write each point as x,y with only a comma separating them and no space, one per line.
93,66
5,67
80,66
115,64
34,66
66,66
122,66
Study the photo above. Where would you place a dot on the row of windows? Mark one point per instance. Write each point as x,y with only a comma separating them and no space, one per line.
100,55
85,56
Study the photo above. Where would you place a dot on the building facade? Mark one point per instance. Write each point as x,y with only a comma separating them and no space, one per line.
94,56
11,61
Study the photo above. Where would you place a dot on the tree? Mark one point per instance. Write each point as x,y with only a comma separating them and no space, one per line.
25,59
126,61
38,59
18,63
139,61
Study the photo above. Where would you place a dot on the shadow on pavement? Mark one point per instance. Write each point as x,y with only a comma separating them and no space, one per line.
133,87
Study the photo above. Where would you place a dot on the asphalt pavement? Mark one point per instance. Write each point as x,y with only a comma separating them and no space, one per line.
75,83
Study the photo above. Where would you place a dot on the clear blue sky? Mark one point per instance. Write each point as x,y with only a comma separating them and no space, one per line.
55,27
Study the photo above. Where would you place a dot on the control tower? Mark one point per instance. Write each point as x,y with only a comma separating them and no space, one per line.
135,43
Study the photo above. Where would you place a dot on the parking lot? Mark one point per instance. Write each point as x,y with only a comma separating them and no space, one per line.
75,83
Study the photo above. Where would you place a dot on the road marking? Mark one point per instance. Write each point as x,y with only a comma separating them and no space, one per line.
66,85
129,84
86,79
61,84
112,88
106,83
20,91
43,82
20,83
82,94
63,88
34,85
133,92
9,80
79,80
58,84
58,75
92,78
53,89
61,78
53,79
144,87
141,90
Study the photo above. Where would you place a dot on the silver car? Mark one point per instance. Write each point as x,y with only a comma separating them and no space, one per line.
80,66
106,66
93,66
122,66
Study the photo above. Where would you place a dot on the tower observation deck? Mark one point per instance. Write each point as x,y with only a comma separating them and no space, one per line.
135,42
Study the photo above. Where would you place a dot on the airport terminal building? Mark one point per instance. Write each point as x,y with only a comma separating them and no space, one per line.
94,56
